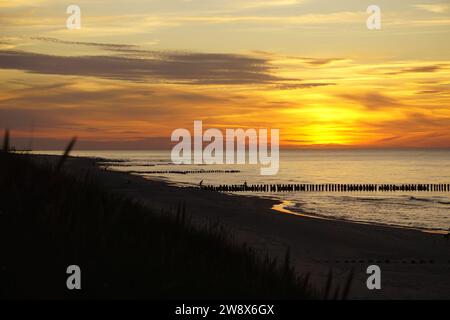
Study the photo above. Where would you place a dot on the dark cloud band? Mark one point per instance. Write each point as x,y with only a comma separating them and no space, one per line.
189,68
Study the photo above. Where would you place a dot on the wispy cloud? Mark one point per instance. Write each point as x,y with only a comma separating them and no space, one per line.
429,68
106,46
434,8
20,3
302,85
372,100
319,61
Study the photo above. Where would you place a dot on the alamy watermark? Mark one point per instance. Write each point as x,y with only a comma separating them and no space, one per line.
373,22
187,151
374,280
74,279
74,20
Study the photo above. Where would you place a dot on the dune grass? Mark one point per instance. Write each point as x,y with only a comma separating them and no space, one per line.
50,219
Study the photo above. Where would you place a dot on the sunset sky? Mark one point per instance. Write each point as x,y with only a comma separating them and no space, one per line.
137,70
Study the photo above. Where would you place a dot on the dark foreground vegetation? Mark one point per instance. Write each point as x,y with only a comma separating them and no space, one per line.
50,219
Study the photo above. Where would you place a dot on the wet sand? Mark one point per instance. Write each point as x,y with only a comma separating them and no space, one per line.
414,264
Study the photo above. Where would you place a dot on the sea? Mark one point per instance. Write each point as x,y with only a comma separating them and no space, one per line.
428,211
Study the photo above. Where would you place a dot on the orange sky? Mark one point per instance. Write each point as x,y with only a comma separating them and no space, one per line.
137,70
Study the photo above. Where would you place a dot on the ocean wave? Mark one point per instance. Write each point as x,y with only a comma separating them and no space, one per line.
421,199
430,200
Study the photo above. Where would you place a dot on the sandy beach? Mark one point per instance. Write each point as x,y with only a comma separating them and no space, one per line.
414,264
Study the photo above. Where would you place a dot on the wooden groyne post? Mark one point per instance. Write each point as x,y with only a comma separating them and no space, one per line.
329,187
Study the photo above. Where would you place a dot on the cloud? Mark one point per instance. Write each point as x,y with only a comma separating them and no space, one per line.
420,69
47,143
76,106
319,61
434,8
168,67
302,85
372,100
106,46
339,18
237,6
418,122
412,129
432,68
20,3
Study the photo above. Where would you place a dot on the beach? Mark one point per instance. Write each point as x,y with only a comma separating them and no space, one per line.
414,264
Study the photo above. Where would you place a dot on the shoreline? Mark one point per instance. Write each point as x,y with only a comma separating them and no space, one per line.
414,264
281,207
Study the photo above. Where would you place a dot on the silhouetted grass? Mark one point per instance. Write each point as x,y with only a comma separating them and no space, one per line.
64,157
5,147
50,220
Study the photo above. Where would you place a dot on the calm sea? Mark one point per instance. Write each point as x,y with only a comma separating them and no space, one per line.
422,210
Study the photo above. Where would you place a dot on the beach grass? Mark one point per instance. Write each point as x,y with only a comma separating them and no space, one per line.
50,219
